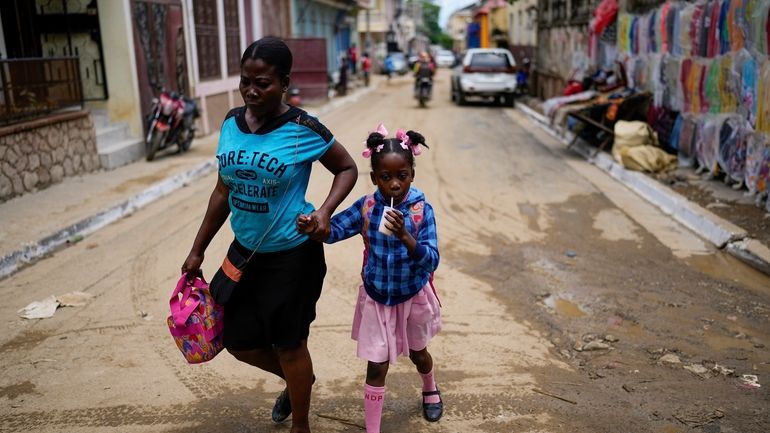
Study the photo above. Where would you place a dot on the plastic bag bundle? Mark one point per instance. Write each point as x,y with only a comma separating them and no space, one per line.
757,146
729,85
682,28
737,18
763,177
673,98
686,142
684,83
737,162
676,133
707,144
758,22
732,148
747,103
725,25
711,24
713,78
655,83
763,98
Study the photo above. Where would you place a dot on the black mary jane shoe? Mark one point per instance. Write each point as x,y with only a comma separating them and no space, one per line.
432,411
282,407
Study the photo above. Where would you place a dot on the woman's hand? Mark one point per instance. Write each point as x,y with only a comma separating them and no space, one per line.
192,265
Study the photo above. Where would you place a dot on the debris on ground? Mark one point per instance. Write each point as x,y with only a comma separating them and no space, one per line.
670,359
698,370
40,309
571,254
47,307
554,396
749,381
696,418
74,299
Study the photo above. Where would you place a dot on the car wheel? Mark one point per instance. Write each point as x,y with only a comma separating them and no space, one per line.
508,100
460,97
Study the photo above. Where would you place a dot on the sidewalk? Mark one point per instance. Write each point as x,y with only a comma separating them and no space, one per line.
37,224
723,231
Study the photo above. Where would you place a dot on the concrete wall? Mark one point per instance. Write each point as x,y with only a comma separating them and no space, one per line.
38,153
523,23
123,104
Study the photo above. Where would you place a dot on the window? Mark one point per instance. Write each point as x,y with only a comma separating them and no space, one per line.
207,38
232,37
490,60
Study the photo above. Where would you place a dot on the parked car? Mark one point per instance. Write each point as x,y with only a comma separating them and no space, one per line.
486,73
412,59
398,59
445,59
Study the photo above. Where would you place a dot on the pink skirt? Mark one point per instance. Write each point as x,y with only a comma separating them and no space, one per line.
384,332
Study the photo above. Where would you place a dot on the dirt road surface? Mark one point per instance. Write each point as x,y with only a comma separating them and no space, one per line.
569,305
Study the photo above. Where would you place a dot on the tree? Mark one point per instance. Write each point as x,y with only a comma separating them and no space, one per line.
430,26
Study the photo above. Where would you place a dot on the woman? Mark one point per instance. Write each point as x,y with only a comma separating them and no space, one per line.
266,149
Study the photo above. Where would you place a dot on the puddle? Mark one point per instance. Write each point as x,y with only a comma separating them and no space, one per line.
725,267
563,306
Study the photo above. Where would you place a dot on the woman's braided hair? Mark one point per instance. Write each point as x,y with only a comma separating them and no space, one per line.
393,145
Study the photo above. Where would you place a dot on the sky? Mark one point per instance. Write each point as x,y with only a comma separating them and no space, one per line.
449,6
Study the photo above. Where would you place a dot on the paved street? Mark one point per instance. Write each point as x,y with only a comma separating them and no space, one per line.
569,305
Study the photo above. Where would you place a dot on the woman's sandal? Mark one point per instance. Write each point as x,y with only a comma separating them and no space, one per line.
282,407
432,411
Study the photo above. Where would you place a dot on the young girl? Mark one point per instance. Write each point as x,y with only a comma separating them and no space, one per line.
397,312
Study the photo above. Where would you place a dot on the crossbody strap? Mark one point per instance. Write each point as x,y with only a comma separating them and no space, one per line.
280,204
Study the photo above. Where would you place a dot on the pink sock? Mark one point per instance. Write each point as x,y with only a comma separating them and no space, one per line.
374,399
429,384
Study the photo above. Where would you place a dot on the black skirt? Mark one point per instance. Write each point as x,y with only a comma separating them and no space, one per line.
274,303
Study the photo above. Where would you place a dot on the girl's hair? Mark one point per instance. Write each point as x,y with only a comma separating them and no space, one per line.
393,145
272,51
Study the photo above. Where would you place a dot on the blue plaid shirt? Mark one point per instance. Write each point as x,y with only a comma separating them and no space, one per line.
391,276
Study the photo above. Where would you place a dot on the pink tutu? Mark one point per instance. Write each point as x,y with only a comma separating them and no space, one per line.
384,332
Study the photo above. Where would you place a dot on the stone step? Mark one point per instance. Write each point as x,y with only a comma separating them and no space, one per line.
111,133
100,118
120,153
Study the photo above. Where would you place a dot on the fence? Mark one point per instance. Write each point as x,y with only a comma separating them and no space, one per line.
32,87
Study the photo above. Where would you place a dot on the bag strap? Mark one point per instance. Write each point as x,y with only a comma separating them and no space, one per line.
280,204
182,308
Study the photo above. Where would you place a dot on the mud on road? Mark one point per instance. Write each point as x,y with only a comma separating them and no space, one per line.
565,308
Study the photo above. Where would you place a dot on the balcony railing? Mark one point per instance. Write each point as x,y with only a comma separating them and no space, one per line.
32,87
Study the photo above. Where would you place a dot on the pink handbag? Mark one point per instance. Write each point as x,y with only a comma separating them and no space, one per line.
196,321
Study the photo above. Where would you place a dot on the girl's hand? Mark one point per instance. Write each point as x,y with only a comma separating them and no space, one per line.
316,225
394,222
306,224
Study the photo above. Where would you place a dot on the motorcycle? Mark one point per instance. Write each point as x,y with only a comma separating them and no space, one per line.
171,122
423,89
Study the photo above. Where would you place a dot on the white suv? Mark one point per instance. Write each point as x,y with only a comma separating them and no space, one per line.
485,72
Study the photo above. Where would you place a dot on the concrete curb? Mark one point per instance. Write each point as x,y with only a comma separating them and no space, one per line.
34,250
720,232
14,261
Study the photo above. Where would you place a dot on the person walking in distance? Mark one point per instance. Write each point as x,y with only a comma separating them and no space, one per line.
398,311
366,67
266,150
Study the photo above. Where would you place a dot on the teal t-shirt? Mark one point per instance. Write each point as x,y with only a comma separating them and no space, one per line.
267,172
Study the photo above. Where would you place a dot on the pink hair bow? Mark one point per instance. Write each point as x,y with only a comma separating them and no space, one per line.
406,142
381,130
